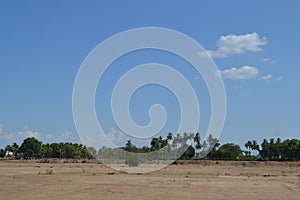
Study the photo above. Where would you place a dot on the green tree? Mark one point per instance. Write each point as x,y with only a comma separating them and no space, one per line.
61,150
291,150
46,150
93,151
197,141
169,137
130,147
188,154
2,153
177,140
54,150
212,145
265,150
162,142
85,153
154,144
70,150
15,149
229,151
249,145
8,149
254,147
30,148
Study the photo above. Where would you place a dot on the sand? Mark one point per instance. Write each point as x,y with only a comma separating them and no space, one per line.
199,180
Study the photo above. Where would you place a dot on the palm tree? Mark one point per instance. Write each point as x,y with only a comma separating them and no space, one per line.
204,145
204,149
185,138
265,151
47,150
176,141
278,141
128,145
8,149
213,143
61,150
15,149
197,141
255,146
248,145
169,137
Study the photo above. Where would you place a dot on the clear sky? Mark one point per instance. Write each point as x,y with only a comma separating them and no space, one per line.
255,44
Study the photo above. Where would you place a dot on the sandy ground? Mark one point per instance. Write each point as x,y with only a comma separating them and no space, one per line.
203,180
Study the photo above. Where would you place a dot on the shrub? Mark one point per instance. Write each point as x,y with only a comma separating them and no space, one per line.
2,153
132,161
49,172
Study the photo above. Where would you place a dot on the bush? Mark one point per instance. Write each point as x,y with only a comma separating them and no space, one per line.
2,153
132,161
45,160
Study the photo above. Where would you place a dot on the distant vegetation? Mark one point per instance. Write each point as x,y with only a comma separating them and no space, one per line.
268,150
132,161
185,146
32,148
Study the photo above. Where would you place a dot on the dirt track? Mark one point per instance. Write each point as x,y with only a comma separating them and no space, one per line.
204,180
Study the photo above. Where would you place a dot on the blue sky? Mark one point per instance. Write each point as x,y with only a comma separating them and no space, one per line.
255,44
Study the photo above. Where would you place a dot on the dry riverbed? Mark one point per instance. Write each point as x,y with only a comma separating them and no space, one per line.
186,180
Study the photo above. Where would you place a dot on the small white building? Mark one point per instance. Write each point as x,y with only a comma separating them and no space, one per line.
9,153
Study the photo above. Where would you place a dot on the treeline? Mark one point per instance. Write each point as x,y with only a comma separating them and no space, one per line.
210,148
32,148
276,150
183,146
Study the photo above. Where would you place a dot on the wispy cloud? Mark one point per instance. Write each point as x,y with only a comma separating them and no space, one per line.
265,59
279,78
266,77
113,138
236,44
270,77
18,137
119,138
245,72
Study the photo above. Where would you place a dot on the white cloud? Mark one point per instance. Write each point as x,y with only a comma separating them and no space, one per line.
18,137
245,72
270,77
265,60
268,60
67,136
50,137
117,137
236,44
114,138
266,77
